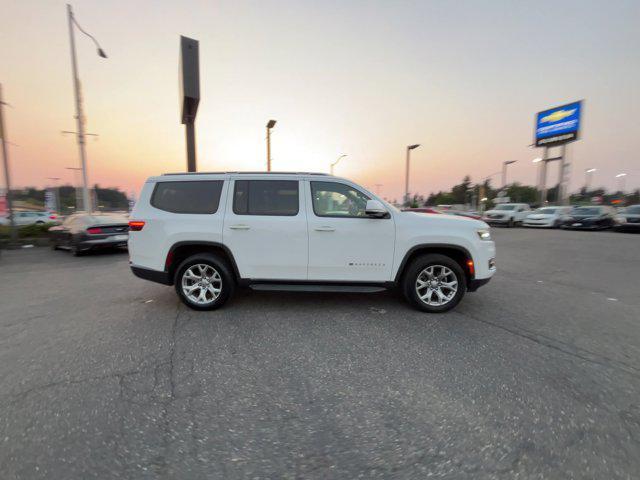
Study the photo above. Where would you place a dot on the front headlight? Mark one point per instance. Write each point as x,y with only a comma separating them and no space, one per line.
484,234
621,220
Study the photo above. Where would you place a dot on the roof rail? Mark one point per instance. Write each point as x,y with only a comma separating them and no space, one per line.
245,173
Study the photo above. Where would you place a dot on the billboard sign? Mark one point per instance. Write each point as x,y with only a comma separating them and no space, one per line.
558,125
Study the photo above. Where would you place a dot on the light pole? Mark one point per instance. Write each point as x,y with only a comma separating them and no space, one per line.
270,125
336,162
7,177
587,178
504,171
406,177
78,97
621,183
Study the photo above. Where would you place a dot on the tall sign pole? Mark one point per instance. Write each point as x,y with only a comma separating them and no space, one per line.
556,127
7,176
190,93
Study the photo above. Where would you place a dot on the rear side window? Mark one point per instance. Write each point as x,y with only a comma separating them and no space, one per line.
266,197
188,197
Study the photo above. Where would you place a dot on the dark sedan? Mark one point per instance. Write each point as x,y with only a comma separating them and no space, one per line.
82,232
628,219
589,218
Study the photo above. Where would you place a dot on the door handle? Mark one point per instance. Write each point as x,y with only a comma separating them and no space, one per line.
325,229
239,227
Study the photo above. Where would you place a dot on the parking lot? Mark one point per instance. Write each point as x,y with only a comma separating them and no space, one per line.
536,375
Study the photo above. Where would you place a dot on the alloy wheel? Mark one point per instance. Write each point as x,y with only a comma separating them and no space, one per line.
436,285
201,284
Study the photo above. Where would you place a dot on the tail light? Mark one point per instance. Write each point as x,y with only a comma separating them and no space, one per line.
136,225
94,230
53,216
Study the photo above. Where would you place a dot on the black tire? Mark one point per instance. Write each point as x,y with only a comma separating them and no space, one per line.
511,223
416,267
228,282
75,251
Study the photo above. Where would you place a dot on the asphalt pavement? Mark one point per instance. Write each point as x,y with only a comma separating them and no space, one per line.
536,375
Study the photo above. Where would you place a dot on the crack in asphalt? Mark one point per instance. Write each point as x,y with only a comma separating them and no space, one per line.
559,345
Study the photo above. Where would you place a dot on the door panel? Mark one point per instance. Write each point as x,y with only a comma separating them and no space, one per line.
265,227
345,244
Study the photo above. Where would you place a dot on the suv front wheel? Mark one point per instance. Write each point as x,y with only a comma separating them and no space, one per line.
434,283
204,282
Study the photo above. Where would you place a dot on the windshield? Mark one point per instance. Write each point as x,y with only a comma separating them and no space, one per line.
635,210
505,207
586,211
547,210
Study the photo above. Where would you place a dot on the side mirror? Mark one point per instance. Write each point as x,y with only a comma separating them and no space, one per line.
375,209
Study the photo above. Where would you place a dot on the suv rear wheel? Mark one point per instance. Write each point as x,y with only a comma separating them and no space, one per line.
204,281
434,283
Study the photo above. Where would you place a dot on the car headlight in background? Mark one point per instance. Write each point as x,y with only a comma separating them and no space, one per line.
620,220
484,234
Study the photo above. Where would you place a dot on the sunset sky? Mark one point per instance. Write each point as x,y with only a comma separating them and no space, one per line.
365,78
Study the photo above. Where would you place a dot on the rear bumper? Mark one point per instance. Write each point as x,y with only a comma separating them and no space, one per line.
101,243
152,275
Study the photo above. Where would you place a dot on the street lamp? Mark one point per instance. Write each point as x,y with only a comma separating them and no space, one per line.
336,162
587,177
620,178
270,125
504,171
406,178
78,97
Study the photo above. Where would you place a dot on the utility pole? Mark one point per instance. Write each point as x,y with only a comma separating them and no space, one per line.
270,125
7,176
77,90
406,176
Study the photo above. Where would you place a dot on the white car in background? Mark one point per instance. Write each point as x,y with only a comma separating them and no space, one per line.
508,214
22,218
546,217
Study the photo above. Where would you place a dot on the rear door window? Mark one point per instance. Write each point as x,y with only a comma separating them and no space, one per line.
200,197
266,197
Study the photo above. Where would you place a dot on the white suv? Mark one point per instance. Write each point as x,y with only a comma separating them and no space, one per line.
207,233
509,214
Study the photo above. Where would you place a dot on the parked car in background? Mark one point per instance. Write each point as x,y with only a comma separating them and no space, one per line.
464,213
508,214
422,210
82,232
546,217
206,234
597,217
628,219
22,218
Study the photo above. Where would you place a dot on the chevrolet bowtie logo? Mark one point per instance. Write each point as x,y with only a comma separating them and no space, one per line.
557,116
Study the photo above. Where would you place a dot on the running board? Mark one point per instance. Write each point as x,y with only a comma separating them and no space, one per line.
298,287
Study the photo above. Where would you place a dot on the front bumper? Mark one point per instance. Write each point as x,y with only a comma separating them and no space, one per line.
475,284
535,224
